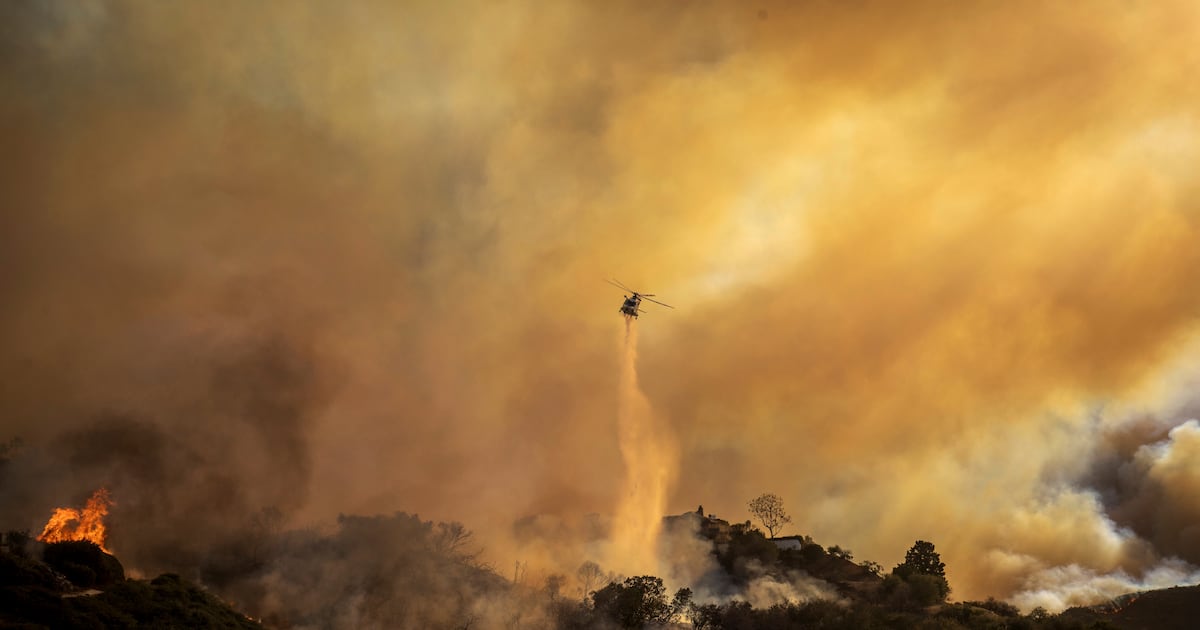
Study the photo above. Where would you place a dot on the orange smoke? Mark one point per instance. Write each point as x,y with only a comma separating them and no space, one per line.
85,524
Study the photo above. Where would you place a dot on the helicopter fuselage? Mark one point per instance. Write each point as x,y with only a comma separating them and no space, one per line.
630,307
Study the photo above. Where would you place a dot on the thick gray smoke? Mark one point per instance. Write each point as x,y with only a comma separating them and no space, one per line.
1140,482
1149,480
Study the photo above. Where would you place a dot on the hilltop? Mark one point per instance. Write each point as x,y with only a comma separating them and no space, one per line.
867,597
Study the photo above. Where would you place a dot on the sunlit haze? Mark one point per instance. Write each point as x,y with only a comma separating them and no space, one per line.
935,269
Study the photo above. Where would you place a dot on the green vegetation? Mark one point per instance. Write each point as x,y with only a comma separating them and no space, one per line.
747,550
641,605
911,597
919,581
923,559
638,601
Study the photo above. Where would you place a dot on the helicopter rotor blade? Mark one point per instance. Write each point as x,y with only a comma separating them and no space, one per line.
619,285
659,303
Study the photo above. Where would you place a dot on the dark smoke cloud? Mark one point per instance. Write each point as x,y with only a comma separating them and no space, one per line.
1146,476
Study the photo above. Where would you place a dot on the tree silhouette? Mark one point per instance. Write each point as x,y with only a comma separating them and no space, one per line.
636,602
872,566
450,539
923,559
924,573
554,584
591,577
768,509
681,604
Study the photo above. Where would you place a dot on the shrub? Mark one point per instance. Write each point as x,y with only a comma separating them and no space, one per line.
84,563
635,602
928,589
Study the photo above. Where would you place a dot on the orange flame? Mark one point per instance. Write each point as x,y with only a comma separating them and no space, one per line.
85,524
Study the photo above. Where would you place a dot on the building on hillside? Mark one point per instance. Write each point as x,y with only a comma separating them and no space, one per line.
789,542
707,525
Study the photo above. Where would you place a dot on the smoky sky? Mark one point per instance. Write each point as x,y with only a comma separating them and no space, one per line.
351,259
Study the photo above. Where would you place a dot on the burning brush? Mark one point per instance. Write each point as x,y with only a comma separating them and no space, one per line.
86,524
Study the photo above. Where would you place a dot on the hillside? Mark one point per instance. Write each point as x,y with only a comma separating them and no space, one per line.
76,585
1175,608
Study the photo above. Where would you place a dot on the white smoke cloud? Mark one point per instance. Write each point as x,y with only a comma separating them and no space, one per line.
1061,587
794,587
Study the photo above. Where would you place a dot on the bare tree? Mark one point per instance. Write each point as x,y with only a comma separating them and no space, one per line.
768,509
591,576
453,540
450,537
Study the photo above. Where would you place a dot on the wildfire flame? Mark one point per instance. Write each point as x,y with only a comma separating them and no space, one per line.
86,524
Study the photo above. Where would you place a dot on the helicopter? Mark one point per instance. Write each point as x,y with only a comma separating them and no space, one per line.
632,305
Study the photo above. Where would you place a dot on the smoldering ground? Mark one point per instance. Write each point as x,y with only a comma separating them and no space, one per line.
912,267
